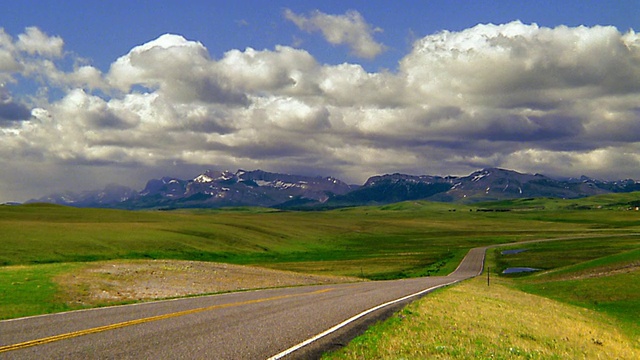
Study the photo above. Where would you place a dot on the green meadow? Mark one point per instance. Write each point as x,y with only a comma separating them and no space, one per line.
591,264
583,302
401,240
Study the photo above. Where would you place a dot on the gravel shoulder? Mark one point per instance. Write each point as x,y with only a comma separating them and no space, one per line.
110,282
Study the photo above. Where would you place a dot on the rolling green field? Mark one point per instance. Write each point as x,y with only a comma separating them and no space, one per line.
596,242
473,321
602,276
583,303
408,239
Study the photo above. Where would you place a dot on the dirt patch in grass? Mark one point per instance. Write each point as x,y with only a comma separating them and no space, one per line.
109,282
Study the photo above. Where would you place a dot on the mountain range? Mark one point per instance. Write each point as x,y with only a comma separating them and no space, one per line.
216,189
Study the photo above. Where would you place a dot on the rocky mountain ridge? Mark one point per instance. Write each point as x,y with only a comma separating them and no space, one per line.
215,189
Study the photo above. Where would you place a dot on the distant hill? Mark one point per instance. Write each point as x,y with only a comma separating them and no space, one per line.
211,189
215,189
392,188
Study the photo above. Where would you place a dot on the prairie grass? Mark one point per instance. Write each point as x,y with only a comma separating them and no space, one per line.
609,284
585,305
30,290
418,230
401,240
474,321
389,242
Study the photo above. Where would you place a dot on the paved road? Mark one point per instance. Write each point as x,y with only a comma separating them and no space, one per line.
247,325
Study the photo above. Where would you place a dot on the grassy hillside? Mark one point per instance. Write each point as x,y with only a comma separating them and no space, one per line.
394,241
377,242
588,289
603,276
399,240
473,321
612,201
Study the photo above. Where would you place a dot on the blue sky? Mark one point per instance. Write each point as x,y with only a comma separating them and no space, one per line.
93,92
104,30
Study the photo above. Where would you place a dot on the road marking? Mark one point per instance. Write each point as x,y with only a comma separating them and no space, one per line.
366,312
98,329
352,319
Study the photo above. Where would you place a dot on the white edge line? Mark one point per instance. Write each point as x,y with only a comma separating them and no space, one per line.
352,319
356,317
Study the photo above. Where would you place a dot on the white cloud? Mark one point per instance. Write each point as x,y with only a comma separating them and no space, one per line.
350,29
350,85
623,161
294,115
8,61
536,99
285,70
34,41
87,76
178,68
154,62
522,82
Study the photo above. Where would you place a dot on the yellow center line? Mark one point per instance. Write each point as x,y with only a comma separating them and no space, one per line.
98,329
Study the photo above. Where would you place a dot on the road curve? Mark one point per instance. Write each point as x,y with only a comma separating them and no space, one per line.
248,325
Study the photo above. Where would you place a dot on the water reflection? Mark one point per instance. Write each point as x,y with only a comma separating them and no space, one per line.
512,251
515,270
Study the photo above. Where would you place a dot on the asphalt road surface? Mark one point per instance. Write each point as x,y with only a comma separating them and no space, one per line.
248,325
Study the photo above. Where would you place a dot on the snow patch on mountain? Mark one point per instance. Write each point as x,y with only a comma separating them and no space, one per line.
203,179
478,177
261,188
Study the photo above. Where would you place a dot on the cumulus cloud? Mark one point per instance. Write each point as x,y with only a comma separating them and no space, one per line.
551,100
521,82
34,41
179,68
350,29
8,57
284,70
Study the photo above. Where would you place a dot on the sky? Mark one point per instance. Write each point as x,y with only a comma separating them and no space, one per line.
100,92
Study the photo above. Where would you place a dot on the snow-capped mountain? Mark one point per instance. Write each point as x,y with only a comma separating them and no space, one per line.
483,185
214,189
242,188
497,184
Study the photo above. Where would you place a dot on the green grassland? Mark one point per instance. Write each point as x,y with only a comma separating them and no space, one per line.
473,321
584,303
39,242
30,290
608,282
392,241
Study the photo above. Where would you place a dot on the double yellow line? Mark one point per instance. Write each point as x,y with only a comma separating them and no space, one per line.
94,330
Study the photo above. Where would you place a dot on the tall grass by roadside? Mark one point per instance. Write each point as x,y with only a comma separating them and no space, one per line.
583,304
473,321
608,284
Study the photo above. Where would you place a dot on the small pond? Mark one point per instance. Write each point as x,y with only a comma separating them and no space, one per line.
512,251
515,270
